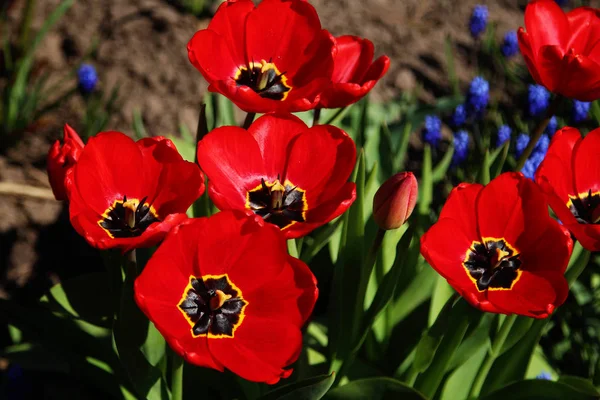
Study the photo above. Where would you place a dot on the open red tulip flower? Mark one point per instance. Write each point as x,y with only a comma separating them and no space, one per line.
562,50
500,249
270,57
225,294
61,158
293,176
570,176
354,72
126,194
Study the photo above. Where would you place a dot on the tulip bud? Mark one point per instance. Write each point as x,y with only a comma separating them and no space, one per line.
61,158
395,200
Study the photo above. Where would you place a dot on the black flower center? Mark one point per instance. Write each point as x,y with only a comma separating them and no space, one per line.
279,204
584,207
264,78
493,264
128,218
213,306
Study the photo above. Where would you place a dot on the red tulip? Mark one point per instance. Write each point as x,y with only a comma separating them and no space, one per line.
61,158
570,176
395,200
499,248
127,195
272,57
354,72
293,176
561,49
225,294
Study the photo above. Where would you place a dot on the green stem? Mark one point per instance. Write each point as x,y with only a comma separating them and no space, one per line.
537,132
293,248
339,113
176,377
249,119
316,116
411,378
491,356
28,13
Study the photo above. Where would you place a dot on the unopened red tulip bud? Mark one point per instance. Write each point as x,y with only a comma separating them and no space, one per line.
395,200
61,158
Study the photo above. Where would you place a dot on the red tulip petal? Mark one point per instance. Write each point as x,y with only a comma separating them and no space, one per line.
531,295
290,297
583,81
235,244
275,134
444,246
548,252
354,56
586,163
195,351
529,55
551,65
460,206
260,346
546,24
108,169
587,234
249,101
557,166
230,157
343,94
179,185
585,32
230,23
324,213
210,54
512,207
282,31
320,162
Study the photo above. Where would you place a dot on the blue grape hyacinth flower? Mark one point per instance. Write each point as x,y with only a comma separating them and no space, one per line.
521,144
504,133
479,95
87,77
539,99
551,127
478,21
510,44
433,130
459,117
580,110
461,147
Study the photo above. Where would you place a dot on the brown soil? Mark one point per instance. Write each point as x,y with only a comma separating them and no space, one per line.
142,48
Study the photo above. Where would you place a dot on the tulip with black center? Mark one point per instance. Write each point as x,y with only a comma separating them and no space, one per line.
213,306
264,78
493,264
585,207
128,218
279,204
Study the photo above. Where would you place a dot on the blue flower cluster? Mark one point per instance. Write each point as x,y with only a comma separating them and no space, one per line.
460,116
510,45
88,78
580,111
539,98
551,127
478,20
461,147
479,95
504,133
536,157
433,130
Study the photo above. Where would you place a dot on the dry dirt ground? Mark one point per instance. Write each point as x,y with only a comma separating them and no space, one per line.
142,48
